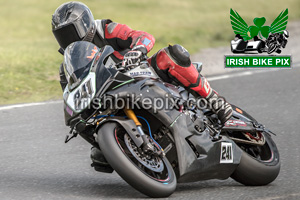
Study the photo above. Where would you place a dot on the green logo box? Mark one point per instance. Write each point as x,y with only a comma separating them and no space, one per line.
235,61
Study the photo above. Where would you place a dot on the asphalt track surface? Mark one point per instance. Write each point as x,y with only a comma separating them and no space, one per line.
36,164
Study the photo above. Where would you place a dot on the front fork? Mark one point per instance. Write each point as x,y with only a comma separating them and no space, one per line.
147,146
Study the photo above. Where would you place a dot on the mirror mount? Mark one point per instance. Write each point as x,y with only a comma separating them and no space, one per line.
198,66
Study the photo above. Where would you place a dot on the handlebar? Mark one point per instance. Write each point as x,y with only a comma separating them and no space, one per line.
120,67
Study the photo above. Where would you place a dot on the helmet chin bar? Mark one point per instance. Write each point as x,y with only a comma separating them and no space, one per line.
90,35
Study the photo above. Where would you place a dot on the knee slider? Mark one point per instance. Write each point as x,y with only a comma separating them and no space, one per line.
180,55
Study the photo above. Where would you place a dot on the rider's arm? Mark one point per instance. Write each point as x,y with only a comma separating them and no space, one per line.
121,37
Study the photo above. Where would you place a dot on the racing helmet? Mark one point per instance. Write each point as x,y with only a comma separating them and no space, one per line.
285,34
73,21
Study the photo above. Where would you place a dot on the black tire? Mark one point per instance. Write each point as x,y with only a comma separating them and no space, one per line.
128,170
271,48
257,172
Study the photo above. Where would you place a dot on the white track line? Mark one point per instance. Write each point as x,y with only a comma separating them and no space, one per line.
246,73
28,105
212,78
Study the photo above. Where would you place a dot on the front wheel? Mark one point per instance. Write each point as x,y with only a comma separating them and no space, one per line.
271,48
152,176
260,165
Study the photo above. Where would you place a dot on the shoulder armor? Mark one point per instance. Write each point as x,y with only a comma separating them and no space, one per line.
111,27
100,26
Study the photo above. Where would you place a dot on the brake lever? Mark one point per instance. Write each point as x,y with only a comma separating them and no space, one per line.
144,57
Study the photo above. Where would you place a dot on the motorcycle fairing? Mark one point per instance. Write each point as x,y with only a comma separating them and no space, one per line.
99,77
191,168
241,114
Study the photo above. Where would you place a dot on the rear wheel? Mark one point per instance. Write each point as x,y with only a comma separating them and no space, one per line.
151,175
260,165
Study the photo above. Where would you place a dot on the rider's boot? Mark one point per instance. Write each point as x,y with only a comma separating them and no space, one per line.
278,51
99,162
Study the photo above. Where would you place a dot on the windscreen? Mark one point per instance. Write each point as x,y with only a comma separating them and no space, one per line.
78,59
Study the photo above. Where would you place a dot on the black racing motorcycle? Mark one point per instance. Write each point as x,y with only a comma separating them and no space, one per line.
276,41
152,149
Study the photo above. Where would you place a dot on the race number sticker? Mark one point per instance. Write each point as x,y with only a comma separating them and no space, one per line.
226,153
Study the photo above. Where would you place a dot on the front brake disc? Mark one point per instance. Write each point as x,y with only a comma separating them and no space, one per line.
153,163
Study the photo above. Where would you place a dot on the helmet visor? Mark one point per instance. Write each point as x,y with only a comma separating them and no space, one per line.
83,24
66,35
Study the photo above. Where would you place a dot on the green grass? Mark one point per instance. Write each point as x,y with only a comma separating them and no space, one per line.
29,60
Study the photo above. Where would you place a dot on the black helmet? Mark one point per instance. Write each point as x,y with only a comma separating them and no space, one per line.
73,21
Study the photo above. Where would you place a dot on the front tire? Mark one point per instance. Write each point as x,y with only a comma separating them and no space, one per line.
121,159
256,172
271,48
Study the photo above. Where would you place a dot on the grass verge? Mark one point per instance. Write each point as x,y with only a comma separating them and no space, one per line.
29,59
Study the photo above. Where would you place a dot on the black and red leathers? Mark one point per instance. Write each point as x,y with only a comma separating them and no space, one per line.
122,39
173,63
73,21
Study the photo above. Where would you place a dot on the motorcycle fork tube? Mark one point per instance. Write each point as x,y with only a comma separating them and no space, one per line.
131,115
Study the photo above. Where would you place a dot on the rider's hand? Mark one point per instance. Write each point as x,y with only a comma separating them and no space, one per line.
134,56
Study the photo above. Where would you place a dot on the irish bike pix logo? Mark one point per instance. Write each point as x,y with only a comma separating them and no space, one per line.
258,45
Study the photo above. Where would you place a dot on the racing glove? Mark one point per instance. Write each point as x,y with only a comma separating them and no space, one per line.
134,56
220,106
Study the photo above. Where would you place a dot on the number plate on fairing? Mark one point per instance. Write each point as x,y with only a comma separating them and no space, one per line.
226,153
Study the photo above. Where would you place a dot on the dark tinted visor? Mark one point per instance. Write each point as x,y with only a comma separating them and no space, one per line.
66,35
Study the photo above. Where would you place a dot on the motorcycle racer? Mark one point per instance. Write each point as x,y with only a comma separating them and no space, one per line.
73,21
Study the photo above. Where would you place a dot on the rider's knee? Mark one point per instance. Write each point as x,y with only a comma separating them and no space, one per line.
179,54
170,57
